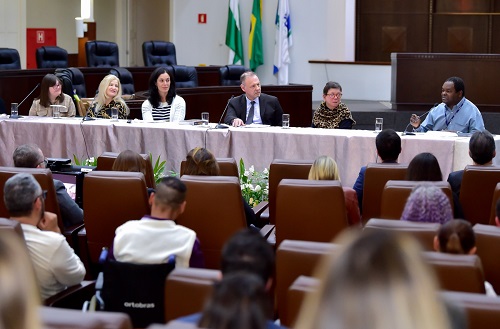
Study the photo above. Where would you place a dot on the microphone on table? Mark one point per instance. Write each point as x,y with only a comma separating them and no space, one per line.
409,133
219,125
86,117
25,98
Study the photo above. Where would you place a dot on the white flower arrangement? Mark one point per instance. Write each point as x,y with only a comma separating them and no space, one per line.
254,184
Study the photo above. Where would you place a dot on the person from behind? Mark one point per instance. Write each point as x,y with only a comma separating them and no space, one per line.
55,263
109,96
455,113
240,300
332,113
202,162
457,237
51,94
424,167
325,168
377,280
247,251
19,295
154,238
427,204
253,106
163,102
31,156
388,145
129,161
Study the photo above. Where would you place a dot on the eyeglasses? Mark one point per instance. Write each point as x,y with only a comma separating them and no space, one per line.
333,95
43,195
45,162
57,85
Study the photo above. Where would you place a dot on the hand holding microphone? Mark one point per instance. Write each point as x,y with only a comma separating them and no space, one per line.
415,120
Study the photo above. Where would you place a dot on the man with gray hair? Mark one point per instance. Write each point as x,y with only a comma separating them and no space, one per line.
55,263
31,156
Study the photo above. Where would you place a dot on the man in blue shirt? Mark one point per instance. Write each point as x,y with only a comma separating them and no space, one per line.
455,113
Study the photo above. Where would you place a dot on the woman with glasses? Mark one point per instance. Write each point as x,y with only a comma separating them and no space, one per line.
332,113
51,94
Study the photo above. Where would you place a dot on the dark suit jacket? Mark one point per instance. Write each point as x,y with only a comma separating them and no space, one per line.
270,110
455,180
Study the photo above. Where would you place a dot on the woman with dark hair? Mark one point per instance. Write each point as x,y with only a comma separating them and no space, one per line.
202,162
163,102
424,167
239,301
51,94
332,113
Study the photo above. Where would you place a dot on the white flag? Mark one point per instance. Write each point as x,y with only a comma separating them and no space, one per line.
283,42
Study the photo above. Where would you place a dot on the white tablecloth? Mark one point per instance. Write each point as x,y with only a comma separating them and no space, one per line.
257,146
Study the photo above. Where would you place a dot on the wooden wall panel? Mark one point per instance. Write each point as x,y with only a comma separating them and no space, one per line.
460,34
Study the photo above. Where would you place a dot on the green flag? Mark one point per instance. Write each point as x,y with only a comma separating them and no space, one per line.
255,50
233,34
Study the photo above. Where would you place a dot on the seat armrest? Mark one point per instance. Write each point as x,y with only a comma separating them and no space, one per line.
271,237
267,230
72,297
259,209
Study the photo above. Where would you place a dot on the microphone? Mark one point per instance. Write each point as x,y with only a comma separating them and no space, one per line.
86,117
223,126
17,116
405,132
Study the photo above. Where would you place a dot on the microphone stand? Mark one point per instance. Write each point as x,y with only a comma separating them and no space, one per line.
409,133
25,98
86,117
223,126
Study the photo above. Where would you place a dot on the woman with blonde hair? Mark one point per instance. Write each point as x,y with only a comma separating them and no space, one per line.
19,296
109,96
325,168
378,280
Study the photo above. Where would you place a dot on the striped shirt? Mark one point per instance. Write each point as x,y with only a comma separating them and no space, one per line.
162,112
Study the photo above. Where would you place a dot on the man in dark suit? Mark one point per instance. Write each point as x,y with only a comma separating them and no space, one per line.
253,106
482,151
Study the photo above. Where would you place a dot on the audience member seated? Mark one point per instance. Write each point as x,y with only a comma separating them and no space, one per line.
153,239
55,263
19,297
379,281
163,102
388,145
482,151
132,162
427,204
51,94
457,237
424,167
497,213
332,113
325,168
240,300
30,156
109,96
246,251
201,162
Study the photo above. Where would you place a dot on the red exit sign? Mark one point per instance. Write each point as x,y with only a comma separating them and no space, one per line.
202,18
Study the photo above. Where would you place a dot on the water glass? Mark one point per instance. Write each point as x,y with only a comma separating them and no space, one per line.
56,111
114,114
379,124
285,121
205,118
13,110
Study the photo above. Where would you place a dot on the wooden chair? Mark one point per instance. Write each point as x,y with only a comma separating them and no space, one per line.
186,290
423,232
457,272
376,176
396,192
293,259
476,192
106,160
214,211
488,246
111,199
278,170
481,311
309,210
496,197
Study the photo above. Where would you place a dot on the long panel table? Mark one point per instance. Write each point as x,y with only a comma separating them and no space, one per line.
256,146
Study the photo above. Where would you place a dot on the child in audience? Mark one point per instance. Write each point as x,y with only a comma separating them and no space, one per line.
457,237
